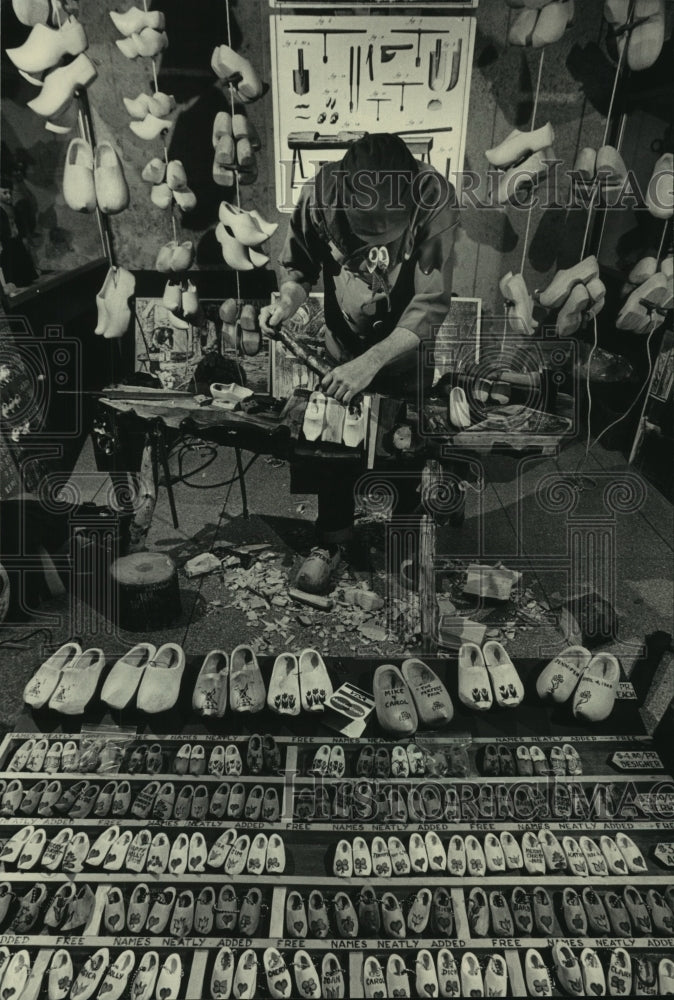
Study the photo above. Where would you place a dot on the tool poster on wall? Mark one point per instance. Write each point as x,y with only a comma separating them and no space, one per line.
337,78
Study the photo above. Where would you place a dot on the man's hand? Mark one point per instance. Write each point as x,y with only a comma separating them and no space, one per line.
347,381
290,299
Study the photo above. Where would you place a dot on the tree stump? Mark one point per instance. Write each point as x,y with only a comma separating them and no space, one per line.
146,584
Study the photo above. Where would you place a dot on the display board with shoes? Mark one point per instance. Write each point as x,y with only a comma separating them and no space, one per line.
456,847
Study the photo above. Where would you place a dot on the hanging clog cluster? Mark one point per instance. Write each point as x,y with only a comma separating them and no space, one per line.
639,38
54,58
538,23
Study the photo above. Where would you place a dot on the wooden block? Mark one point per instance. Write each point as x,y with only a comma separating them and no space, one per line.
490,581
454,630
315,600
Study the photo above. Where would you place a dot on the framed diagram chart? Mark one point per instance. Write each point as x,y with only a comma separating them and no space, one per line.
337,78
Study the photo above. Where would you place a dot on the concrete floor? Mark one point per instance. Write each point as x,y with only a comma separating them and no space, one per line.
505,522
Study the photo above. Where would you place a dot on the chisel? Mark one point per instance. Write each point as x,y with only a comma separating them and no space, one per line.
351,78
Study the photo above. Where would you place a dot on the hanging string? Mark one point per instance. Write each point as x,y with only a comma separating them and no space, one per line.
533,121
232,101
661,248
595,184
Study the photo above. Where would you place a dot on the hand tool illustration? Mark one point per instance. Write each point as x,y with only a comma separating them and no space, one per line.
351,54
300,76
369,60
437,66
402,84
358,77
378,101
418,32
325,32
456,65
388,52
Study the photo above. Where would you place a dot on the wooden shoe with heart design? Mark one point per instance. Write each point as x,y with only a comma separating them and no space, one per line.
278,977
397,979
573,912
296,917
237,801
374,983
246,687
169,978
522,913
160,911
474,686
614,859
471,976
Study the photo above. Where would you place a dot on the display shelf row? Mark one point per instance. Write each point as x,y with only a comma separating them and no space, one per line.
315,800
308,852
460,757
244,972
409,915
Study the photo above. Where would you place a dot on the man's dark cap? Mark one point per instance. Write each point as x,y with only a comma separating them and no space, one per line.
379,172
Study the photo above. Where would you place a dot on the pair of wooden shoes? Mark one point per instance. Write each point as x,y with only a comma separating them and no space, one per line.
519,304
240,978
241,327
181,300
592,680
334,422
487,675
399,762
541,24
236,143
235,69
98,975
645,308
67,681
169,184
529,760
42,756
237,675
191,758
446,978
410,695
577,292
236,254
299,683
643,33
174,257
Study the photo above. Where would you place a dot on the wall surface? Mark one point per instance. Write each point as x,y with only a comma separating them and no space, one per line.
576,85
